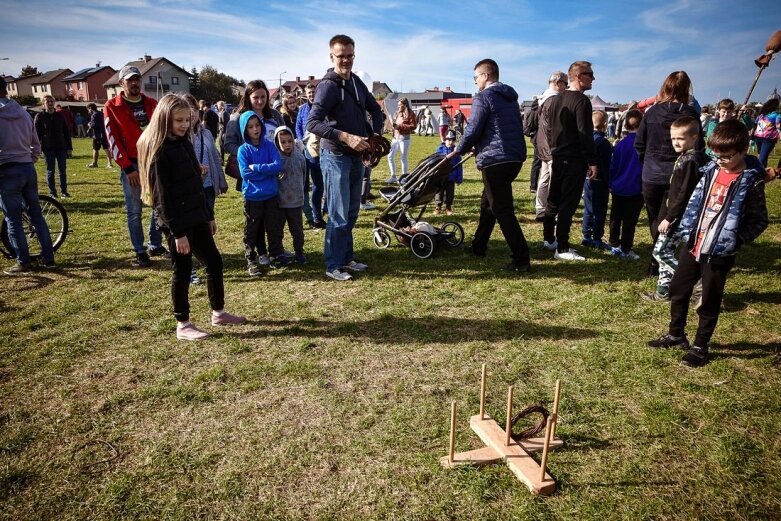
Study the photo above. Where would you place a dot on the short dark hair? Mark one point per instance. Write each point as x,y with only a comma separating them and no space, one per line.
731,135
686,122
633,119
727,104
92,106
342,39
311,84
769,106
491,65
576,68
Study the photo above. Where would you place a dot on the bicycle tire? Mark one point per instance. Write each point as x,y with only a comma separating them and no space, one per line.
56,218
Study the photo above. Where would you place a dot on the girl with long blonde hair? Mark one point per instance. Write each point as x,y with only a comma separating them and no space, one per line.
171,181
403,125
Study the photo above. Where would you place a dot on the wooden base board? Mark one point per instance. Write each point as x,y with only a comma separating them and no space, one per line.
475,458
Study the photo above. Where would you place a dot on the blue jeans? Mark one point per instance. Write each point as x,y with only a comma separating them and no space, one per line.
134,226
343,175
18,191
60,156
765,147
316,174
595,198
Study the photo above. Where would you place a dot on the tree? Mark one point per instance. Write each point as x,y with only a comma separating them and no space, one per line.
213,85
28,70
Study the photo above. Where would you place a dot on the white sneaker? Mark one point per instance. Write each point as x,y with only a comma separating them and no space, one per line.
631,255
339,275
391,180
264,261
355,266
368,206
550,246
189,332
570,255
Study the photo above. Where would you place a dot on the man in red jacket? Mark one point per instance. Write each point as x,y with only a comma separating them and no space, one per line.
125,116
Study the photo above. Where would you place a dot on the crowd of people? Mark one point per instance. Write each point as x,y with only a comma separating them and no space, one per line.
703,202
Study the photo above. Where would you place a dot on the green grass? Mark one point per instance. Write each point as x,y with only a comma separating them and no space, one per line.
333,402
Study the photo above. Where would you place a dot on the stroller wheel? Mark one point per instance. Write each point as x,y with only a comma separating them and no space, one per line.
422,245
381,238
455,234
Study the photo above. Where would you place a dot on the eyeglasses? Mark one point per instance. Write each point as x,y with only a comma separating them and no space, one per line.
726,159
474,78
590,74
343,57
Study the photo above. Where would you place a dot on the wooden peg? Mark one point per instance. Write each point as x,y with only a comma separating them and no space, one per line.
482,395
508,424
452,431
545,447
556,409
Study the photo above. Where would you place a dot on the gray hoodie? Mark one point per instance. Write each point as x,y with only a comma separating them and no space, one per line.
18,139
291,178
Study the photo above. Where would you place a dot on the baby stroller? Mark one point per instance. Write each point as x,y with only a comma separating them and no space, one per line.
417,189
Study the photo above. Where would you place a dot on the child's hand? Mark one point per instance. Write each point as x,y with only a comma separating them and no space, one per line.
772,173
182,245
204,171
664,226
213,227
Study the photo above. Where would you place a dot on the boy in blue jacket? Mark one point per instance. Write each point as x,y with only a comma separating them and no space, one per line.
448,192
596,191
727,209
259,164
626,187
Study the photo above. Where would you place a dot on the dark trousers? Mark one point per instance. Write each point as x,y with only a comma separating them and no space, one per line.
624,214
566,187
536,165
203,247
496,204
262,217
714,277
295,225
446,195
60,157
654,197
595,198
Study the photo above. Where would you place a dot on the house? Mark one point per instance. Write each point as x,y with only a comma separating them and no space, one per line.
435,99
49,83
87,84
380,89
159,77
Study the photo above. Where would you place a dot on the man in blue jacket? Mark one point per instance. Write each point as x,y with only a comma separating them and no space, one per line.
338,116
495,132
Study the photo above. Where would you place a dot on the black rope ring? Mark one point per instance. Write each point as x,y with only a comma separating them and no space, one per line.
534,429
89,468
379,147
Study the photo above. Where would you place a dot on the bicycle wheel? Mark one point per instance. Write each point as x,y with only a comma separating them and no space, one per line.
56,218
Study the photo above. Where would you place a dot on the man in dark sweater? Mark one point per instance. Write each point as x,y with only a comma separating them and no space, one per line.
570,136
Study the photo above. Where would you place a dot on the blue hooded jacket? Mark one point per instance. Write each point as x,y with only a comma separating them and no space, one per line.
495,128
259,165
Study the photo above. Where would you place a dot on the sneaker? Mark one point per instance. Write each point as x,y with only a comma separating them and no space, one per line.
142,260
264,261
655,296
48,265
92,165
254,270
194,278
65,194
338,275
615,250
587,241
516,268
550,246
320,224
53,195
392,180
159,251
570,255
355,266
667,340
631,255
280,261
17,269
599,244
226,319
449,211
695,357
190,332
301,258
437,210
368,206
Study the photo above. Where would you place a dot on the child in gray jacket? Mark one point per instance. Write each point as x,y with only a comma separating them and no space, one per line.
291,188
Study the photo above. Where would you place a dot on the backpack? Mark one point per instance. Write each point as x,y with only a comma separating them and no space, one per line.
532,120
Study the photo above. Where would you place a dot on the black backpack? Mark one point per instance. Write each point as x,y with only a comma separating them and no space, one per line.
531,121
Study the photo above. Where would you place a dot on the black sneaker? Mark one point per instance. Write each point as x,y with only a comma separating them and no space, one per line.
17,269
159,251
48,265
65,194
254,270
655,296
142,260
695,357
516,268
668,340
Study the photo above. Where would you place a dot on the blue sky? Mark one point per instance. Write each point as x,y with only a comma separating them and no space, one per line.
413,45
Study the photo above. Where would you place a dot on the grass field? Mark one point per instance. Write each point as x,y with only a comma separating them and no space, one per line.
333,401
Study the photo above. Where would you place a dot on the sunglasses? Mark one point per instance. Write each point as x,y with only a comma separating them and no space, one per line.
590,74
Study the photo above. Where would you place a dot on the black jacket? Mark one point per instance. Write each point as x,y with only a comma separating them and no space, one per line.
571,131
53,131
686,175
177,189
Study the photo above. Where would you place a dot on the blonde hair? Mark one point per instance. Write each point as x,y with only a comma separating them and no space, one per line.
599,119
154,135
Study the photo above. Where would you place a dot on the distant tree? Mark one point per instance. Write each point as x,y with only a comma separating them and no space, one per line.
26,100
28,70
213,85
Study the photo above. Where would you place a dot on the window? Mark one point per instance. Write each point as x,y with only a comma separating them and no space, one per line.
35,88
174,80
81,85
153,80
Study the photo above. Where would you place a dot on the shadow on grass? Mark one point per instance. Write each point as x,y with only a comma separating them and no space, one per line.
739,301
399,330
92,207
745,350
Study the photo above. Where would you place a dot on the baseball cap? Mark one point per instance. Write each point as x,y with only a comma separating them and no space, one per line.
128,71
450,135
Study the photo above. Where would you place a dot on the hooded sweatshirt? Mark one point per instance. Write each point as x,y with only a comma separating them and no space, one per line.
291,180
543,123
18,139
258,164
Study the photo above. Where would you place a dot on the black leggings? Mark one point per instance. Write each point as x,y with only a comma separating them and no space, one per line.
203,247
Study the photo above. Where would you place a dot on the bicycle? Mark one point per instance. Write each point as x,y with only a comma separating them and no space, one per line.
56,218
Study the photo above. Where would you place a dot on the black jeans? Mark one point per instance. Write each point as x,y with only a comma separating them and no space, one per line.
536,165
566,188
203,247
262,217
446,195
714,277
496,204
654,197
624,214
295,225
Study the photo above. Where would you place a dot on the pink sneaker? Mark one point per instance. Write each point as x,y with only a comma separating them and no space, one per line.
190,332
226,319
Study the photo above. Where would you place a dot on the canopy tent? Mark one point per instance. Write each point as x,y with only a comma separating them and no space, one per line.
598,103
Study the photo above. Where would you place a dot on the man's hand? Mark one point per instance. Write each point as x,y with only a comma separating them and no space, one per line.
664,226
213,227
593,171
772,173
357,143
133,178
183,245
